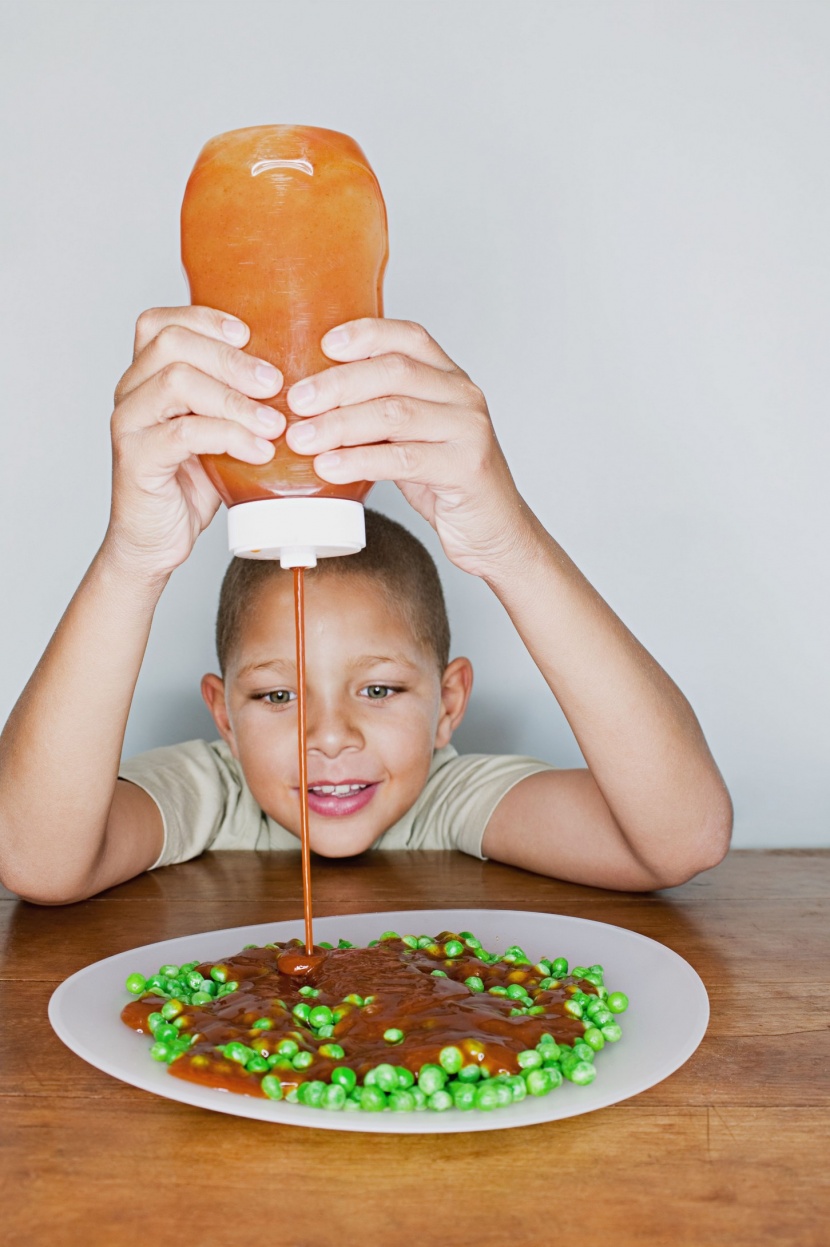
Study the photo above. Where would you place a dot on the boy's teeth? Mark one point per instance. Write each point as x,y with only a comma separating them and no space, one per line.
337,790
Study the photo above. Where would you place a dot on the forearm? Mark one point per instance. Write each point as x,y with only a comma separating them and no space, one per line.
639,736
61,747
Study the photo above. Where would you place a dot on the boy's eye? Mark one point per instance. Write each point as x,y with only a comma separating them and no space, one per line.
278,697
376,692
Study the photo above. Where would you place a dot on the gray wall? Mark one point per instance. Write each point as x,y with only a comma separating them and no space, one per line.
614,216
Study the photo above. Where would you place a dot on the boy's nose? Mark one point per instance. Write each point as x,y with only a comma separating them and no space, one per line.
330,731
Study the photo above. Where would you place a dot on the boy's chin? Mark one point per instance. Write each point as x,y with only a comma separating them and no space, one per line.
339,842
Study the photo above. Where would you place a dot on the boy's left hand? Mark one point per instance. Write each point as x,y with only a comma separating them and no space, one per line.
397,408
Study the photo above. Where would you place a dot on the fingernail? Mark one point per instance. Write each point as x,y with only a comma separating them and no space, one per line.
269,418
303,434
234,330
330,459
302,395
266,373
267,448
336,338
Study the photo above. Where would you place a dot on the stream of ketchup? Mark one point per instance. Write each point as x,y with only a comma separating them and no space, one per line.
302,748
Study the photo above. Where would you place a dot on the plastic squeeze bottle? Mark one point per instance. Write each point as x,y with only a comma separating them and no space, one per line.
285,227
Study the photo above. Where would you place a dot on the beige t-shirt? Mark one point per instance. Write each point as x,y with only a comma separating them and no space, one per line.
205,802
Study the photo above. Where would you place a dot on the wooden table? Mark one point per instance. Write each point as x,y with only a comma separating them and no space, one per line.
732,1149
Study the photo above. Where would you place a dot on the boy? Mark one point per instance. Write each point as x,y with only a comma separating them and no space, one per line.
649,811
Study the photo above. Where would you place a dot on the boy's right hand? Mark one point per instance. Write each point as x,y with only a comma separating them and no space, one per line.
190,391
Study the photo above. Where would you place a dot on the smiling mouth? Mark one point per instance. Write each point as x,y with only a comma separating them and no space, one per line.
340,800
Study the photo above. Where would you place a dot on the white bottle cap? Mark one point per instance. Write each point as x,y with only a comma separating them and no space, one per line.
297,531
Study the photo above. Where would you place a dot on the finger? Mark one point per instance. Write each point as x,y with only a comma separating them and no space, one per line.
166,447
178,343
364,380
417,462
205,320
371,336
393,419
180,389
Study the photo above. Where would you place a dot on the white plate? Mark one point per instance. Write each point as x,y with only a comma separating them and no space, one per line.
665,1021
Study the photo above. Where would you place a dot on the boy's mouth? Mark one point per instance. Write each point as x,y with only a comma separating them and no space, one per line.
340,799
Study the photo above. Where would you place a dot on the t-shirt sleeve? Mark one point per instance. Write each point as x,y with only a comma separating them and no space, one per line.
455,807
198,792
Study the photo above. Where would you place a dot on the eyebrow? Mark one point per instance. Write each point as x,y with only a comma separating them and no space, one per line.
289,666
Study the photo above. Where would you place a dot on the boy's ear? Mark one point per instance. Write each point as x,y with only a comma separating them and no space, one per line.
456,686
213,691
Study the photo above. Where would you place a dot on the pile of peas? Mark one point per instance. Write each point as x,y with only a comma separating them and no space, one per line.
447,1084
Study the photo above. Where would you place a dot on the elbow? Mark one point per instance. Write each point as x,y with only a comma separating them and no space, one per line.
41,891
705,845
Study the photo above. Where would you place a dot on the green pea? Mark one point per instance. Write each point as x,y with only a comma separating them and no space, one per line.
200,998
161,1051
372,1100
275,1061
555,1076
393,1035
439,1101
194,980
272,1087
518,1087
401,1101
529,1059
497,991
438,974
209,987
257,1065
386,1077
411,941
353,999
464,1095
487,1097
504,1094
472,942
239,1052
594,1038
332,1050
180,1021
351,1106
334,1098
543,967
325,944
262,1024
425,941
325,1032
136,984
573,1007
320,1015
172,1009
617,1002
219,974
169,972
287,1047
431,1078
546,984
451,1059
474,983
311,1093
154,1020
309,991
301,1012
302,1060
419,1098
582,1073
469,1073
344,944
583,1051
538,1082
390,935
453,948
559,967
612,1032
517,1012
344,1077
226,989
165,1032
549,1051
516,992
405,1077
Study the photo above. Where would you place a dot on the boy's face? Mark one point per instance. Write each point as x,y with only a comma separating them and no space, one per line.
377,706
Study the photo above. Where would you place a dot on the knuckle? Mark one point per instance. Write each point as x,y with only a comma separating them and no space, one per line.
146,322
396,411
409,458
179,428
169,340
235,406
400,367
418,332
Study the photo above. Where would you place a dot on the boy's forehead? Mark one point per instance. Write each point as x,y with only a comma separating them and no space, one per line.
349,612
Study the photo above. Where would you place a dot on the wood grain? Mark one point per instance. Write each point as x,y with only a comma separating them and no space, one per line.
732,1149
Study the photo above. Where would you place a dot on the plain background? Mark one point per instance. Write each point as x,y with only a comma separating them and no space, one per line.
613,215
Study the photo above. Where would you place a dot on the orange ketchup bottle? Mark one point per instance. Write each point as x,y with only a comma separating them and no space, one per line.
285,227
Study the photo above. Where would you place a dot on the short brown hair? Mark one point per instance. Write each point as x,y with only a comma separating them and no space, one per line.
400,563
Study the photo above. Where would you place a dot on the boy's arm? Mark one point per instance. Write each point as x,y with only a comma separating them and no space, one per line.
652,808
68,827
